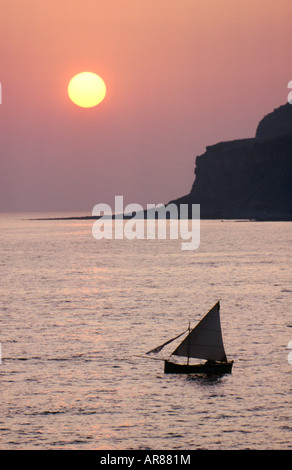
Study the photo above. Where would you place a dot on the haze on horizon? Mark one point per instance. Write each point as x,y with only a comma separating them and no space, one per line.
179,76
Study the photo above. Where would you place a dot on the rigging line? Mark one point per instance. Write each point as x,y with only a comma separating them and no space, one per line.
149,357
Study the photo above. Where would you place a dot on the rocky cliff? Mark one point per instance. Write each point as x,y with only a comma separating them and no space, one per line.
248,178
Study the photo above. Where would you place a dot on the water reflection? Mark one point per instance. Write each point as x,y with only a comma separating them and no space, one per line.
204,379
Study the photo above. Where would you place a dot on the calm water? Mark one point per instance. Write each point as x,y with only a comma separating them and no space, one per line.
75,311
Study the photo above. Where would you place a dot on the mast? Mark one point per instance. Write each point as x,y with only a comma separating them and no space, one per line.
189,343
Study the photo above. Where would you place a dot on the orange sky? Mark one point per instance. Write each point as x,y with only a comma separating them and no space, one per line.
180,75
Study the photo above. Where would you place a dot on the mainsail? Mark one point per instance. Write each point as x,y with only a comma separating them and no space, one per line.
205,340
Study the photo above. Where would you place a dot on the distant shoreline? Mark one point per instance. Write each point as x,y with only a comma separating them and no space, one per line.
127,217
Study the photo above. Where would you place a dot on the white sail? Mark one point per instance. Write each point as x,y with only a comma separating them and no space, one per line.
205,340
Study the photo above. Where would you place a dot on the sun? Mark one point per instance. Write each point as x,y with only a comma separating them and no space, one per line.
86,89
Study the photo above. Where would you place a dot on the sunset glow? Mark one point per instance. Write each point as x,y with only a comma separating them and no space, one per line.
86,89
178,77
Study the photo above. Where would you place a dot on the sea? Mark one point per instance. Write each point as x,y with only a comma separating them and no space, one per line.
79,314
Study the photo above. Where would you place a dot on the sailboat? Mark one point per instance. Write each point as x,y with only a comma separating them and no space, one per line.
202,342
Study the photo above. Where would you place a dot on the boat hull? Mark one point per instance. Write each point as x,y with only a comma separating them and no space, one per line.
207,368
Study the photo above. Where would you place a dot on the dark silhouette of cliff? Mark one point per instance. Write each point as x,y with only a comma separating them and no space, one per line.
247,178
